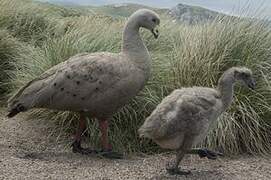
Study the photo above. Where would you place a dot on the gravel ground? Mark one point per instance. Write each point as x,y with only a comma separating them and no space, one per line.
28,152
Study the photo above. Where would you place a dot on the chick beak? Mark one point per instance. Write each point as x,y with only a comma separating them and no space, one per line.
155,33
252,84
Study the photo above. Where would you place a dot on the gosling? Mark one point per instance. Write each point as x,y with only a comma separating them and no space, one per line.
184,118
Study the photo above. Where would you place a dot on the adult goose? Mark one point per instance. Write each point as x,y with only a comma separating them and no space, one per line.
94,84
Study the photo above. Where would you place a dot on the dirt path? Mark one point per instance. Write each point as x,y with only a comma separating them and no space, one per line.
26,152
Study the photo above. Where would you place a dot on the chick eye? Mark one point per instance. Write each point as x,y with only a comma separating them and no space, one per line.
153,20
245,75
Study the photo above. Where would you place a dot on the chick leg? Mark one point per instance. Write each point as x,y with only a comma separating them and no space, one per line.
76,145
173,169
106,146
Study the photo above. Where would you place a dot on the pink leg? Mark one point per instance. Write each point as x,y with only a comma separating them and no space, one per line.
76,146
81,128
103,124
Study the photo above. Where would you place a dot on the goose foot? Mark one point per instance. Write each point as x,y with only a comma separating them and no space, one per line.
172,169
177,171
110,154
209,154
76,148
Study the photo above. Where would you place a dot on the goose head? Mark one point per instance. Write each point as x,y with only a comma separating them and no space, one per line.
147,19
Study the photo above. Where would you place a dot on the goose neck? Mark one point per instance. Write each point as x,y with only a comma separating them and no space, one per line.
132,42
134,48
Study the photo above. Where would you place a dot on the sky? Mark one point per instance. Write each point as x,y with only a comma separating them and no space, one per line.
261,7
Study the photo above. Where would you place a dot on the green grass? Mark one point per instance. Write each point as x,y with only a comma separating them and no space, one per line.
25,25
182,56
33,22
10,49
212,48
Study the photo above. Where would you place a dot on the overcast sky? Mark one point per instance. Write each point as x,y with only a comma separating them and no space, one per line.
225,6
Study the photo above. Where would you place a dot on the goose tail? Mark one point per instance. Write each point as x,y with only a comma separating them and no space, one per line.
15,110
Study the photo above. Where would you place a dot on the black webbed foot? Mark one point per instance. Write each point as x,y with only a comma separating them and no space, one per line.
209,154
76,148
177,171
110,154
172,169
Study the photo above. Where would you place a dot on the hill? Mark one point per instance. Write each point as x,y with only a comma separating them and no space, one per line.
192,14
123,9
181,13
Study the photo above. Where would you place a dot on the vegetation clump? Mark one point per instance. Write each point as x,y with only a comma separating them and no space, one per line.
184,55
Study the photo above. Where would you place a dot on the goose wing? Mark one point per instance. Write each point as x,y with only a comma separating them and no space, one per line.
81,75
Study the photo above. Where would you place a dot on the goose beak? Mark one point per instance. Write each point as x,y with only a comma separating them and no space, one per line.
155,33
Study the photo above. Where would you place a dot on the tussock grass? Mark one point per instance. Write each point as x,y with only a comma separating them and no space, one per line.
212,48
24,20
10,49
33,22
182,56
